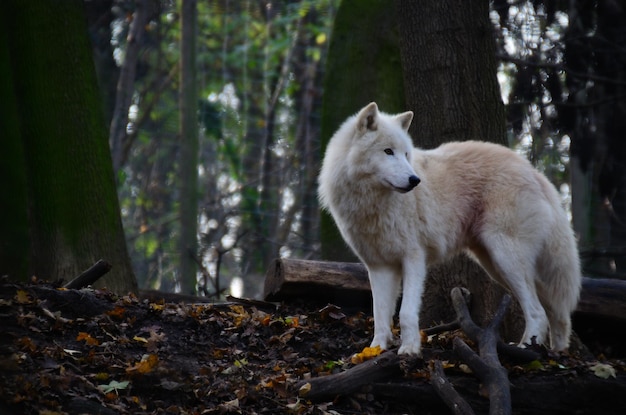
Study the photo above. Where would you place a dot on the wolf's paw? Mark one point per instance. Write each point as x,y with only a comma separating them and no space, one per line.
381,341
411,349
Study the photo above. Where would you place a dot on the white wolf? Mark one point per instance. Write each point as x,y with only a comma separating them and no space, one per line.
476,197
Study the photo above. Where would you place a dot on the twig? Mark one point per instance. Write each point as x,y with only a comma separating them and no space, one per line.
88,277
446,391
486,365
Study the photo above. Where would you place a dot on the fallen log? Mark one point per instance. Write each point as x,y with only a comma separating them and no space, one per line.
603,297
346,284
544,394
340,283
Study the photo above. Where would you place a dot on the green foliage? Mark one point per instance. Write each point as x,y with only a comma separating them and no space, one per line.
251,66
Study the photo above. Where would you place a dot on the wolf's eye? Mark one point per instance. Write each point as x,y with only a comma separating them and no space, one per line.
389,151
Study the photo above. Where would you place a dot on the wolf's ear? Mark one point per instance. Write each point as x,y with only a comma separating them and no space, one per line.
367,118
405,119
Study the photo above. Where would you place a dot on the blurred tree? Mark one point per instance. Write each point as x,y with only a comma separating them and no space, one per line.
449,67
363,66
188,154
566,80
99,19
118,139
260,66
60,166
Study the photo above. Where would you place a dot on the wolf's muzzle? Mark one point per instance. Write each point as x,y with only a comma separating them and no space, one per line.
413,181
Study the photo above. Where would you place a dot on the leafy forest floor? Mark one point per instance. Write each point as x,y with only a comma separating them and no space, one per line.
88,351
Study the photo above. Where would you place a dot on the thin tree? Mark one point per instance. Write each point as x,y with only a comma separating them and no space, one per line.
125,83
188,157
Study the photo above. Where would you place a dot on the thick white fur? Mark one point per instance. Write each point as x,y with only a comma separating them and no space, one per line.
476,197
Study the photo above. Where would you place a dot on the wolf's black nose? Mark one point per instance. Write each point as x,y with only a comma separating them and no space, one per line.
414,181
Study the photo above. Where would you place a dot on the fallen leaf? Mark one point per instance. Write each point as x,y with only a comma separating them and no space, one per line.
603,371
86,337
114,386
117,312
304,389
366,354
22,297
140,339
145,365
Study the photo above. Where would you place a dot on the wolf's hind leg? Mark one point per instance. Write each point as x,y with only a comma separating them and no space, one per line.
560,325
506,261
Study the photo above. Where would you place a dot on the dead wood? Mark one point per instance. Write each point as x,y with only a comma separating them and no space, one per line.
381,368
330,282
446,391
341,283
167,297
603,297
486,365
91,275
544,394
71,303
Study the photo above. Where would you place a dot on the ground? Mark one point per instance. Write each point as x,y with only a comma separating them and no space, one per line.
72,352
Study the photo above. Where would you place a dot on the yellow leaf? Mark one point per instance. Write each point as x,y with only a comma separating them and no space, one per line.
140,339
534,365
366,354
147,363
22,297
239,314
157,307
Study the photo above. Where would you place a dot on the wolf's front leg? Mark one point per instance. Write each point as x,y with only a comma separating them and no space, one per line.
385,285
413,277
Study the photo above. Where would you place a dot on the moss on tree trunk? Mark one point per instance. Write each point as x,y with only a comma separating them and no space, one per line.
363,66
73,210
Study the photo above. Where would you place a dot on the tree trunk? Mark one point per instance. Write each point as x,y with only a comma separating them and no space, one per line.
14,242
188,158
363,66
73,211
449,68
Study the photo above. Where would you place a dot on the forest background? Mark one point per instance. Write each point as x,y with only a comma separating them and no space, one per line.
259,82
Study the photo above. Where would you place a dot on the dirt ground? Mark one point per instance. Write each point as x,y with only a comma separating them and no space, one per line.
73,352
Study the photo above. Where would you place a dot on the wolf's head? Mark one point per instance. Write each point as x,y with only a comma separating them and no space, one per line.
381,149
371,152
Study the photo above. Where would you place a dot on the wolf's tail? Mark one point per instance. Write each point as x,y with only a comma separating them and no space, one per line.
561,281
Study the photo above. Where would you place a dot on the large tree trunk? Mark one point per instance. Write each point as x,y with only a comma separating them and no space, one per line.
363,66
14,242
59,147
449,68
188,155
